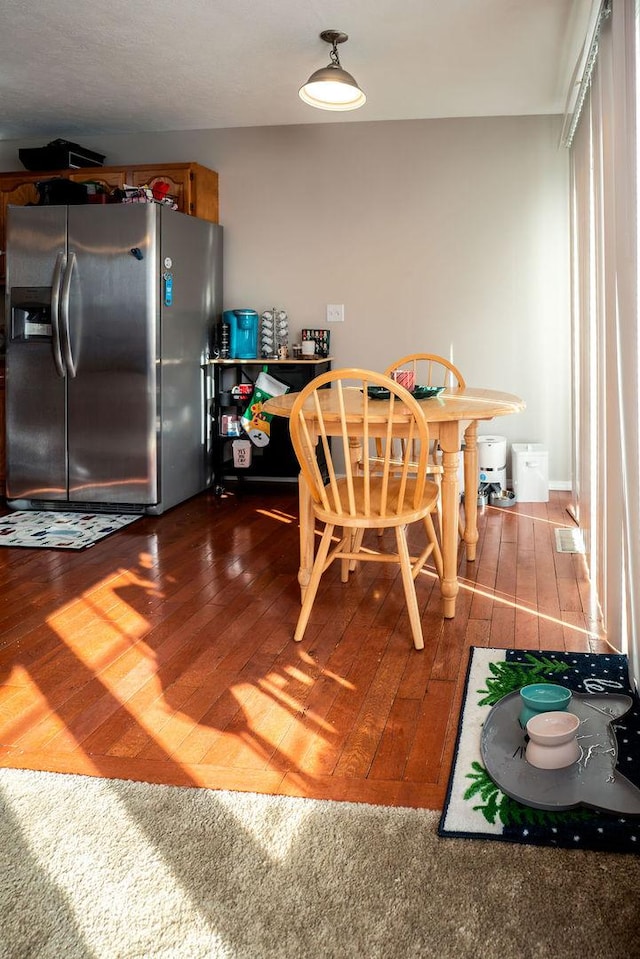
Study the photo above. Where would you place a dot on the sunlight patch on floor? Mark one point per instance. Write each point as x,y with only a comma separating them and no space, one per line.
97,871
276,830
277,515
514,604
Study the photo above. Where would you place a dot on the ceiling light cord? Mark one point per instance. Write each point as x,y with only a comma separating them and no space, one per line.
333,56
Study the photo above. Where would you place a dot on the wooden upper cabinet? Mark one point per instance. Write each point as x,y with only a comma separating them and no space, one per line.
21,191
194,187
107,178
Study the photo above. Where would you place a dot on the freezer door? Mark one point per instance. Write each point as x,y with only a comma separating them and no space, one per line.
113,318
35,385
191,255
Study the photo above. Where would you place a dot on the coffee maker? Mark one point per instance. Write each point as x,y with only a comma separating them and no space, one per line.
243,333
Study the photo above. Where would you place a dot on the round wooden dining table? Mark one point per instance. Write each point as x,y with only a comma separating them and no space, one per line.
453,418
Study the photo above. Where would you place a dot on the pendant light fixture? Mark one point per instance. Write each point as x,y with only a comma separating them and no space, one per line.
332,88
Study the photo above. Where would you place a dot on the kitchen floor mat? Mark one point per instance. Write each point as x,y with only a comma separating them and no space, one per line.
51,530
475,807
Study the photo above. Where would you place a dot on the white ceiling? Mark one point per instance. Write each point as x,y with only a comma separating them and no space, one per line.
78,67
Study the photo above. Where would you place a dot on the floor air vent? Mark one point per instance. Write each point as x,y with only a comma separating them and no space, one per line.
569,540
111,508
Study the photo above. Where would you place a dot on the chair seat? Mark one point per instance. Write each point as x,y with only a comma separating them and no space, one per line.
368,516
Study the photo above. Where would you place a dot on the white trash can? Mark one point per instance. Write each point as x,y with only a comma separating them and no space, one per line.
492,460
530,472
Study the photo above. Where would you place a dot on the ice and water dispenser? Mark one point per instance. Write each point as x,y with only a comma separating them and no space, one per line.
30,313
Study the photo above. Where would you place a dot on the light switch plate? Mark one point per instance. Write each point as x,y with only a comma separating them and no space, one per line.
335,312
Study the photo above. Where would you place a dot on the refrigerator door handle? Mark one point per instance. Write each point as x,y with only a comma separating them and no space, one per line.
61,262
64,317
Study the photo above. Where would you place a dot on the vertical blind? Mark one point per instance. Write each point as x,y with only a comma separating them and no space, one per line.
605,339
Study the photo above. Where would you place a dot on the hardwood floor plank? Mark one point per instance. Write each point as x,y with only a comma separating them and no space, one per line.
362,742
526,630
424,760
506,574
503,634
396,739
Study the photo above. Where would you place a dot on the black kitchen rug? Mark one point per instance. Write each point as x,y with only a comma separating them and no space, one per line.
476,808
52,530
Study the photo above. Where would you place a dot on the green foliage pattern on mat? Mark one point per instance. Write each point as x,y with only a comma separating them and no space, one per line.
507,677
509,811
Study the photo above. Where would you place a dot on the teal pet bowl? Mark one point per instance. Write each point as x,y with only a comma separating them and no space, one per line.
542,698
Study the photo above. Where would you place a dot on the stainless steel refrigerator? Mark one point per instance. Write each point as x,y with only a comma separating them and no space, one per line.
110,316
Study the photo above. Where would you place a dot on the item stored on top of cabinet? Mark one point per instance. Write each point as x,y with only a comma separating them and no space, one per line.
322,340
232,380
194,188
144,194
60,192
59,155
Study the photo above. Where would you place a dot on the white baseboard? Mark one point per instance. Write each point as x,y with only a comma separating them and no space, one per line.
553,484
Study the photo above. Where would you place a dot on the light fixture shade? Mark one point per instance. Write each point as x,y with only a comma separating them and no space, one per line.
332,88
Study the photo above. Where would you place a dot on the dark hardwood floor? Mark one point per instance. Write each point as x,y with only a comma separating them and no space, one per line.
164,653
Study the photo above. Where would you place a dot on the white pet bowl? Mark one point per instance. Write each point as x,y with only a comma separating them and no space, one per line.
552,740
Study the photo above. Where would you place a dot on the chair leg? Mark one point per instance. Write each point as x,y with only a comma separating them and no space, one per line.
409,588
437,552
314,582
356,543
345,564
348,565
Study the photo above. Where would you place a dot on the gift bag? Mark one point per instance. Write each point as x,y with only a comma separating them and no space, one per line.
255,422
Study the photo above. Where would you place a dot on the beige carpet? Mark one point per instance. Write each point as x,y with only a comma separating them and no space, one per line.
99,869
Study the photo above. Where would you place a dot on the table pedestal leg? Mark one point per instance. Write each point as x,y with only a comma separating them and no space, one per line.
470,489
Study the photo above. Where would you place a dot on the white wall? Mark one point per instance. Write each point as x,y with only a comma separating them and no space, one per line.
449,236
